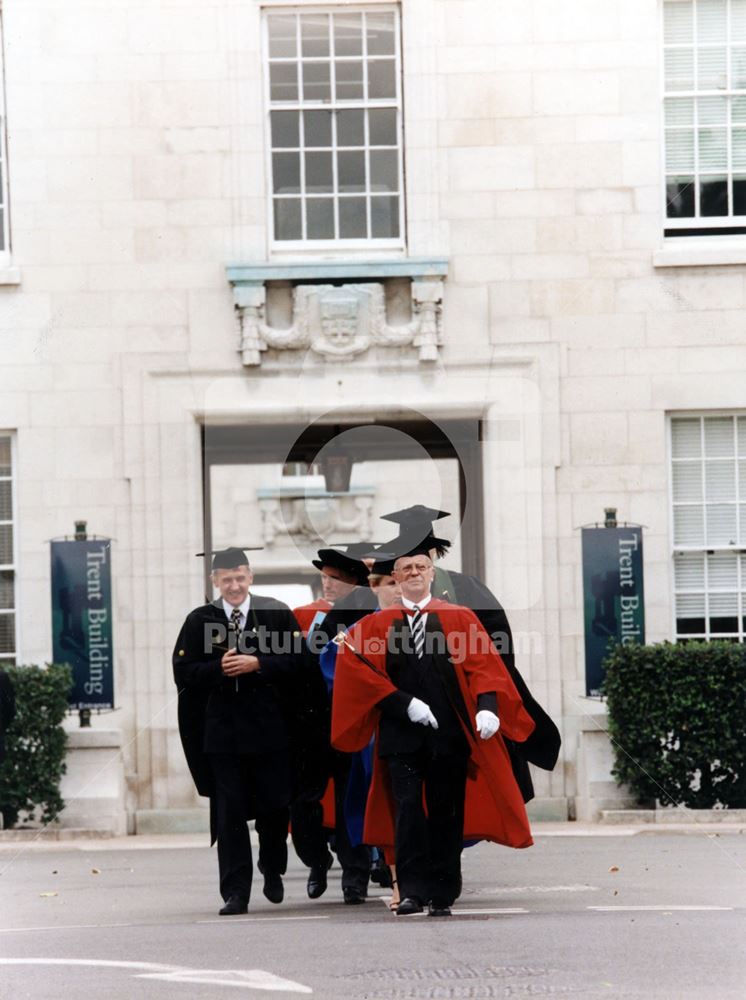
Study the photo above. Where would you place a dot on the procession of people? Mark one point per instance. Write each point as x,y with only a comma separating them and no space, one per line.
384,723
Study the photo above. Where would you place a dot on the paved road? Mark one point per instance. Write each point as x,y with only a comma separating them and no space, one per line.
554,920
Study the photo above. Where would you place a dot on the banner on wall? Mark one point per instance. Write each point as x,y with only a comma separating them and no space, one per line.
81,619
613,595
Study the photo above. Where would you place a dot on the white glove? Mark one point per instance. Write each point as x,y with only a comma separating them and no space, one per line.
418,711
487,724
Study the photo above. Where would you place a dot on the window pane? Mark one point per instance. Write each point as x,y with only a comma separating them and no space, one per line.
319,177
711,73
742,480
687,481
384,170
679,111
741,438
711,20
691,606
690,626
7,633
381,79
348,34
349,80
722,570
739,195
742,522
282,36
7,599
285,131
721,524
680,149
320,218
382,127
720,480
713,196
712,110
678,23
352,222
738,140
713,149
286,173
680,197
686,439
6,500
738,68
351,171
384,217
288,224
738,20
689,571
4,456
314,35
738,109
688,525
679,69
380,34
351,128
283,82
316,82
719,437
6,544
317,128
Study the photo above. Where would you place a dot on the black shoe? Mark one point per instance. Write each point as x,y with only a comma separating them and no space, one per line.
408,906
316,885
437,908
380,874
273,889
353,896
233,906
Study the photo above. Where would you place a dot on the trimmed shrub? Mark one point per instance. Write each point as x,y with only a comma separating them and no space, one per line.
677,718
35,743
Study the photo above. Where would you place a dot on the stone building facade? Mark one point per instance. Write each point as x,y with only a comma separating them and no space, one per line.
489,259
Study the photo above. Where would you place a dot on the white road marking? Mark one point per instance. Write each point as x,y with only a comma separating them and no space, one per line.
250,979
657,908
467,913
504,890
60,927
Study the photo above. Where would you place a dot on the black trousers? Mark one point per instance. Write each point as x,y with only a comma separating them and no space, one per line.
310,838
245,783
428,846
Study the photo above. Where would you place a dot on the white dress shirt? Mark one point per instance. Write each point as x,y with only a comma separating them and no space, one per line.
420,604
243,608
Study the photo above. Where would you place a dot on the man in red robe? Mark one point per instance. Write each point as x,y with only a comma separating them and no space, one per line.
426,678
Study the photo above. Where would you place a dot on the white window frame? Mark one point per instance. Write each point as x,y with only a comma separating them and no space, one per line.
278,248
739,546
723,223
12,567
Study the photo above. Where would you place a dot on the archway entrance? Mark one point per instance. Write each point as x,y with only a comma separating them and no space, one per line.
264,485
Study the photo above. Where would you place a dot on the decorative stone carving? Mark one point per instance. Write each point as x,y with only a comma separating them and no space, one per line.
315,514
340,321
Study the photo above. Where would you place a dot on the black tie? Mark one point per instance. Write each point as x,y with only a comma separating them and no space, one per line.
417,628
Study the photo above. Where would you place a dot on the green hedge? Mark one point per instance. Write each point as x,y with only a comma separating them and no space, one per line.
35,743
677,716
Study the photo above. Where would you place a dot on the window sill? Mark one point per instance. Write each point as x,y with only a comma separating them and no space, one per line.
704,251
10,275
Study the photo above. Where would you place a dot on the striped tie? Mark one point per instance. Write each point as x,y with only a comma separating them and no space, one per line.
417,628
236,623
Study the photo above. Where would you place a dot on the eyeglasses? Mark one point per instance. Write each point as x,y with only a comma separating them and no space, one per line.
414,568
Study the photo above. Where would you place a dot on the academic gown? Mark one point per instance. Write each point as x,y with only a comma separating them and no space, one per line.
306,613
494,807
543,745
273,710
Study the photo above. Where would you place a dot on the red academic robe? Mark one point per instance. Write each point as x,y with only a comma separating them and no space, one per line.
306,613
494,808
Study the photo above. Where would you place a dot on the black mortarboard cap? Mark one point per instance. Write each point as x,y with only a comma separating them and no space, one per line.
417,516
231,557
412,543
358,550
341,560
383,566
